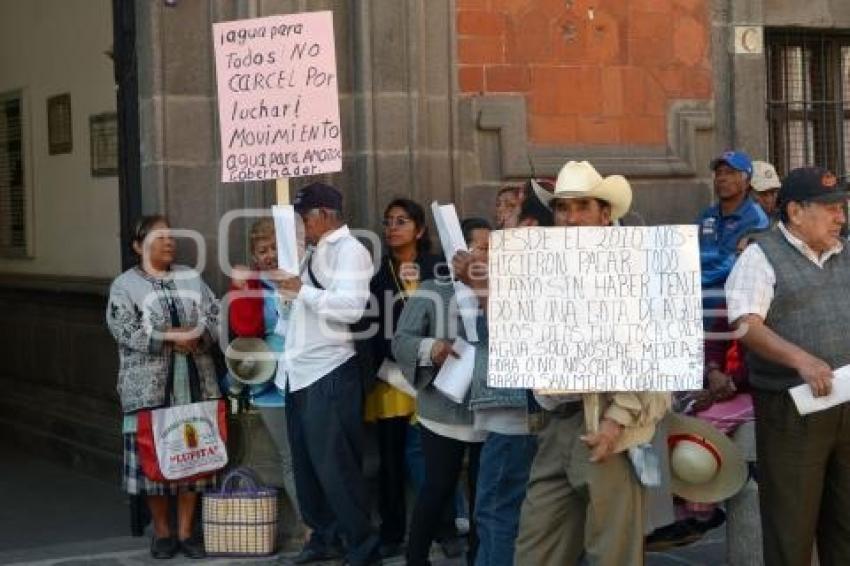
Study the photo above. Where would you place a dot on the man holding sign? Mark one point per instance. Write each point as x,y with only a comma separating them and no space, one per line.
788,296
583,495
322,377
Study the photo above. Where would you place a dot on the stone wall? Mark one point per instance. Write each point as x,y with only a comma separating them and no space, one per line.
59,373
396,106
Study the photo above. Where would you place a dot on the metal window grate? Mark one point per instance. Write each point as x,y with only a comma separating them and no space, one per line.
808,107
13,229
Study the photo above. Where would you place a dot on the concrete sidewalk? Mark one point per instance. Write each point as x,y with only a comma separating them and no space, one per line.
51,516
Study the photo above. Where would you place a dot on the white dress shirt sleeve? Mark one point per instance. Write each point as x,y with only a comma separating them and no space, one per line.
345,299
750,286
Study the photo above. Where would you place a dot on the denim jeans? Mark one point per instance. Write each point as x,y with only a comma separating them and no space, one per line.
502,478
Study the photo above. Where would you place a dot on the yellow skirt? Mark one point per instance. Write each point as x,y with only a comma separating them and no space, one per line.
387,402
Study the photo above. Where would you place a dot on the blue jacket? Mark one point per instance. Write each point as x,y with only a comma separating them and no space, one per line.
482,396
719,235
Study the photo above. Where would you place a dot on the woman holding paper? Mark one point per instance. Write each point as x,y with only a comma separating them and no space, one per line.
427,332
163,317
405,265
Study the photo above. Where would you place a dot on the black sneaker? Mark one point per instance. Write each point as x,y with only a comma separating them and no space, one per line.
389,550
312,554
453,547
163,548
193,548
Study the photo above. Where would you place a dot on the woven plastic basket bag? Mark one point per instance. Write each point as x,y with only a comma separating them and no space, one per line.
241,519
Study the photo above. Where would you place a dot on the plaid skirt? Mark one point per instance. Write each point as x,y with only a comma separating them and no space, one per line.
135,481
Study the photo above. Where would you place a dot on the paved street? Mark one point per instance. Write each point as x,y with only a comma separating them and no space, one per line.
48,517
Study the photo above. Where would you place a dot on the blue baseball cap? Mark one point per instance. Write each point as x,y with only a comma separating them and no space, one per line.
737,160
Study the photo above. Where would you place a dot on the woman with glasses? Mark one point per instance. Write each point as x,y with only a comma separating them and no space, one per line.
406,263
164,319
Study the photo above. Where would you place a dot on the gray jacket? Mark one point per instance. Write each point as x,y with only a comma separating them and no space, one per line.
138,312
431,312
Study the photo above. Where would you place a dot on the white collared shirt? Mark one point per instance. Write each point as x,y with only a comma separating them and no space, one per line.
750,287
318,339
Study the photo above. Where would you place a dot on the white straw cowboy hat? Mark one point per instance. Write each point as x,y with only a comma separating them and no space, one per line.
705,465
764,177
579,179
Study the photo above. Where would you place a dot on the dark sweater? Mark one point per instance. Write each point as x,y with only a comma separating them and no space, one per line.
386,291
809,309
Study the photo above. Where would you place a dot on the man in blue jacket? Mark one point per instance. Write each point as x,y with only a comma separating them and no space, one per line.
721,225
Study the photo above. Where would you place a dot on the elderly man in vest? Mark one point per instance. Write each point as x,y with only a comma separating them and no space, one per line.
787,295
583,496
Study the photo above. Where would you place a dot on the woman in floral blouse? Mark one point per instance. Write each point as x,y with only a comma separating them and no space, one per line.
164,319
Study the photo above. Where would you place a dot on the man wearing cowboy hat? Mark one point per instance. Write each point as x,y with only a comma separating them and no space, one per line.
787,295
583,496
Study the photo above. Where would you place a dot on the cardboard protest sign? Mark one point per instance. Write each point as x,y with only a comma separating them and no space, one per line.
278,104
596,309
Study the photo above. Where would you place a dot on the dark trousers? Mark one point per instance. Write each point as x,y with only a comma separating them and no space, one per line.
392,435
804,481
325,424
443,465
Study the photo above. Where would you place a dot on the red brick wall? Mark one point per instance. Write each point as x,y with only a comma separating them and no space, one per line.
605,80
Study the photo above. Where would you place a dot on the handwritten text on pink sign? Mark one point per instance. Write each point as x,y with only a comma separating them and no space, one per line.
277,97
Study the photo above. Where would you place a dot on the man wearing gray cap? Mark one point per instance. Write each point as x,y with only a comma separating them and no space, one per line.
788,296
764,188
324,388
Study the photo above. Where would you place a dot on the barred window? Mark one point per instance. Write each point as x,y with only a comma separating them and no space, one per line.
13,197
808,106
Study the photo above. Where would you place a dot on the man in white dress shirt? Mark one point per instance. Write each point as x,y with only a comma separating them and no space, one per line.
324,388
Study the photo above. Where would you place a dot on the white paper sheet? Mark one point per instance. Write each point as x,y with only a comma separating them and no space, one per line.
455,376
391,373
451,240
808,403
286,236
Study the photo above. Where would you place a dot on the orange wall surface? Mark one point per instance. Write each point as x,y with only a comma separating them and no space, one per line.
593,72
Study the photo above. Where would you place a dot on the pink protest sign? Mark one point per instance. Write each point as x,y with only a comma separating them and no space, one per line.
278,105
